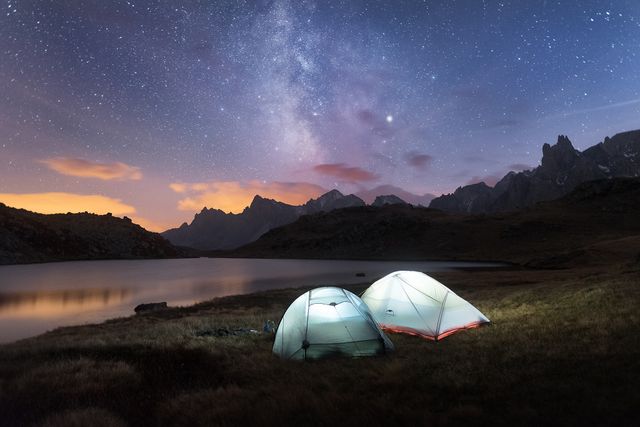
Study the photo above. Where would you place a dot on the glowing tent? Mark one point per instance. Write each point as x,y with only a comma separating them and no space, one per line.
329,322
414,303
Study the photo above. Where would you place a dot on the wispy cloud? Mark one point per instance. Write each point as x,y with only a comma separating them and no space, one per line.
74,166
234,196
49,203
418,160
344,173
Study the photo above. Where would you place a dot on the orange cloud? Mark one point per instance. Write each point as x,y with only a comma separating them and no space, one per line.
234,196
345,173
179,188
49,203
86,169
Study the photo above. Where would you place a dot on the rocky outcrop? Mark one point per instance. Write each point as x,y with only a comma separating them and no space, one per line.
27,237
562,169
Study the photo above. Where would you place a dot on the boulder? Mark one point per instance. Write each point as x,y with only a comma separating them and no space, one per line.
152,306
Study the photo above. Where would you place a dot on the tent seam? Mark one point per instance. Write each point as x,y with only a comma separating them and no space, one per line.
413,305
306,315
444,301
418,290
344,324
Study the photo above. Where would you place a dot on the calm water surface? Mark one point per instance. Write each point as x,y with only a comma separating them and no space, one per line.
39,297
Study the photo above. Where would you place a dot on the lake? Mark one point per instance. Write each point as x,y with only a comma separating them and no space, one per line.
35,298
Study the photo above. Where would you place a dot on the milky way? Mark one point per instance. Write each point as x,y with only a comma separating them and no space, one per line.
162,106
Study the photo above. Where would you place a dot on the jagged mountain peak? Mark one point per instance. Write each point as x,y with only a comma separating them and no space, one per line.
562,169
332,194
559,156
331,200
258,200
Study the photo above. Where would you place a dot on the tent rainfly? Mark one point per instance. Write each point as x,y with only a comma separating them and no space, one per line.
414,303
328,322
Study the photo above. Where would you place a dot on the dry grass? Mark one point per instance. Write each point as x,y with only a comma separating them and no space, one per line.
564,347
94,417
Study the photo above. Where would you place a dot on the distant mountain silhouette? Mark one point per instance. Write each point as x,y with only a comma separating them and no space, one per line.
27,237
595,224
215,229
369,196
389,199
562,169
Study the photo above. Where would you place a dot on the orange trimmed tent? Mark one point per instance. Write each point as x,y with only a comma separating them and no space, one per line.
414,303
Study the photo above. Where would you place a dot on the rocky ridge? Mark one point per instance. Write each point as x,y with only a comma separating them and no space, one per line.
562,169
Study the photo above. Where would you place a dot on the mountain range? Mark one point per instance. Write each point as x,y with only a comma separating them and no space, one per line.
215,229
595,224
562,169
30,237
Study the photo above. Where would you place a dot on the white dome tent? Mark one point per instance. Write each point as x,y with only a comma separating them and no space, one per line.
328,322
414,303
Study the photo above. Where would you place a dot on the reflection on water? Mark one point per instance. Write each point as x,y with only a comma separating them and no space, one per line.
51,302
39,297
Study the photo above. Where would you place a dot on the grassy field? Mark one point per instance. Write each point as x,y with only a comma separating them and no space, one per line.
563,348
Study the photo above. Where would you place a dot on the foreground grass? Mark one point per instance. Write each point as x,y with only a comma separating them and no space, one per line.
564,347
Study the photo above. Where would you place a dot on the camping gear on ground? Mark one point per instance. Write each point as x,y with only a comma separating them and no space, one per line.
326,322
269,327
414,303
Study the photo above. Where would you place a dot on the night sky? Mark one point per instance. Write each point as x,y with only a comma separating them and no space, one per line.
154,109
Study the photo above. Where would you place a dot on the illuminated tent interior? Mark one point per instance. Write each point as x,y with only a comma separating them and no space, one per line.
414,303
328,322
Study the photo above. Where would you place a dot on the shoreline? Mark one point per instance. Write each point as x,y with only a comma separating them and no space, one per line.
456,272
222,256
46,295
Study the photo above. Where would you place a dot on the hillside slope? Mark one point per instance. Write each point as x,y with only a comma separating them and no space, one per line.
27,237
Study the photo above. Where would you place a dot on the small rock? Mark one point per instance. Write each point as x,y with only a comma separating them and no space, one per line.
152,306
